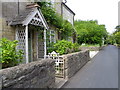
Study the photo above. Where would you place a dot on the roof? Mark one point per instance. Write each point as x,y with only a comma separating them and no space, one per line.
25,18
68,8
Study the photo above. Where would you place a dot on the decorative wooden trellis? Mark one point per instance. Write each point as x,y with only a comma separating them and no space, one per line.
36,21
59,64
21,37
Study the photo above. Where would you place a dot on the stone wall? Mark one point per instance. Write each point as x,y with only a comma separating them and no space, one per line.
90,48
9,11
0,28
12,8
0,9
57,6
38,74
7,31
67,15
74,62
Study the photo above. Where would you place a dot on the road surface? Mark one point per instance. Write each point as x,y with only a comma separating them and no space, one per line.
100,72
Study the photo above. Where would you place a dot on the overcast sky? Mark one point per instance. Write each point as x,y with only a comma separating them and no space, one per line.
105,11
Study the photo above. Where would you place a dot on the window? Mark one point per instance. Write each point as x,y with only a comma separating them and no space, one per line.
52,36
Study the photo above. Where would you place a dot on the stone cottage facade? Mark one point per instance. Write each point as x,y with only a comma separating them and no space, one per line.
23,21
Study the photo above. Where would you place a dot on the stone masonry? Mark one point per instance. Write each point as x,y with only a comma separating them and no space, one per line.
74,62
38,74
9,11
90,48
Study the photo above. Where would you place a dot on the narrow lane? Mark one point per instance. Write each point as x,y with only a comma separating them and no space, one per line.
100,72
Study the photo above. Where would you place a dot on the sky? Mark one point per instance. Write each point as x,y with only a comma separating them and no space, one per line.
105,11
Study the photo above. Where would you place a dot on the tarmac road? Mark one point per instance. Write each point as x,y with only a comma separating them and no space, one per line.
100,72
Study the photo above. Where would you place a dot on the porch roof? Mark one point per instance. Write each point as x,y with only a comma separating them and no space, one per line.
30,16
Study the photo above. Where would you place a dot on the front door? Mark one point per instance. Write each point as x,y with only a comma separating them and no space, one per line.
30,46
40,44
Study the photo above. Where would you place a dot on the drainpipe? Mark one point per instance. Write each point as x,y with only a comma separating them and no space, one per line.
18,7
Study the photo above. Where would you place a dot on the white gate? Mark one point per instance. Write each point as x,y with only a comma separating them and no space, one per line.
59,64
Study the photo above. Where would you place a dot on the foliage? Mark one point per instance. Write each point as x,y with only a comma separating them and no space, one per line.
110,39
50,47
67,30
117,38
89,32
62,26
117,29
64,47
9,56
75,47
116,35
90,45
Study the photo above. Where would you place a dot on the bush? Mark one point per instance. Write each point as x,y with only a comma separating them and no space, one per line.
64,47
117,38
50,47
9,56
75,47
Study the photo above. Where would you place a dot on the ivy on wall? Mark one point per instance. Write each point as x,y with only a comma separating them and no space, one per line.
62,26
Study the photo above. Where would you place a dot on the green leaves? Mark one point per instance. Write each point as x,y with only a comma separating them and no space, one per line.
62,26
9,56
64,47
117,38
90,32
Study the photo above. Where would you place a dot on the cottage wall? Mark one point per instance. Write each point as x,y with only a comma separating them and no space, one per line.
0,27
0,9
9,11
64,11
67,15
58,6
0,19
7,31
12,9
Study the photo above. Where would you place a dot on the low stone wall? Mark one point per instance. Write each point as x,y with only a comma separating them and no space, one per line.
90,48
74,62
38,74
101,48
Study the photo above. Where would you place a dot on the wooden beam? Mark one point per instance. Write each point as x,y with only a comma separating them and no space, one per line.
45,50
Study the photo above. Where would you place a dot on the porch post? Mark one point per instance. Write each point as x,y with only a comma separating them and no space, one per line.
45,43
26,43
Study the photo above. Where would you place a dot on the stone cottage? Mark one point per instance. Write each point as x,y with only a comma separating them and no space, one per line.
23,21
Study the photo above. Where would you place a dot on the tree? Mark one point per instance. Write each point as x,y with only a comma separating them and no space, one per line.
110,39
90,32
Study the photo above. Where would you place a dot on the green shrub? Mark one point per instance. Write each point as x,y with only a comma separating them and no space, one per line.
75,47
64,47
117,38
50,47
9,56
